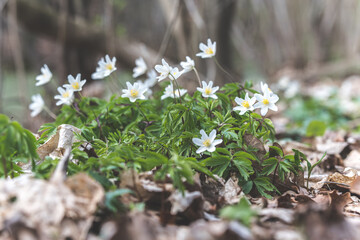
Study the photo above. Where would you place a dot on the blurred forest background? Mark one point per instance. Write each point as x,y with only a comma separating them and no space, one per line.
256,39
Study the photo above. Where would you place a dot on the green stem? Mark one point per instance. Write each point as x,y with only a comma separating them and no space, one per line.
178,88
209,107
115,87
4,166
197,76
138,107
79,112
250,122
173,85
222,69
48,111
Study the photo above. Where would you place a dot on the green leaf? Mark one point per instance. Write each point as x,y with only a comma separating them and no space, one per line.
263,184
315,128
244,166
244,155
101,179
241,212
270,165
111,201
275,151
216,161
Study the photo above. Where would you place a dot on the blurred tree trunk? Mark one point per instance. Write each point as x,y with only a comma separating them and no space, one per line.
79,36
224,46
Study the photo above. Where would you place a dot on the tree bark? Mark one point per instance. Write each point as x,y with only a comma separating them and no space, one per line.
79,35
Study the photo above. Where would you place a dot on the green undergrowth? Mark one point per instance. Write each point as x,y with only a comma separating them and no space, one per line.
157,135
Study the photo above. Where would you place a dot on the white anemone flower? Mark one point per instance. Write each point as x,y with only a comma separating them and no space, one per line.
207,90
266,101
105,68
265,86
207,143
140,68
143,85
151,78
134,92
75,84
44,77
175,73
163,69
66,96
208,50
244,104
37,105
171,92
188,66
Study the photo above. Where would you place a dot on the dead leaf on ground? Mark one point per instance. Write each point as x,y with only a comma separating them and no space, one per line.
49,208
55,146
231,192
321,222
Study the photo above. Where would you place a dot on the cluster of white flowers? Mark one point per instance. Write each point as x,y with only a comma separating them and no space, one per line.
265,102
66,92
142,89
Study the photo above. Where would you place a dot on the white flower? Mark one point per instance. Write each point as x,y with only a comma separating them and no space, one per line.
264,87
170,92
163,69
66,96
266,101
166,71
244,104
188,65
105,68
134,92
140,68
151,78
206,143
75,84
175,73
37,105
207,90
207,51
45,76
142,85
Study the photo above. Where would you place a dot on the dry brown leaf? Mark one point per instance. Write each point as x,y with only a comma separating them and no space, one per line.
180,202
49,207
353,160
280,214
339,201
347,177
55,146
331,147
355,186
231,192
321,222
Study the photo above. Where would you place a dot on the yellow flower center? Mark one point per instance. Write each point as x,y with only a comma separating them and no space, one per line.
245,104
208,91
209,51
207,143
265,101
109,66
65,94
75,85
134,93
